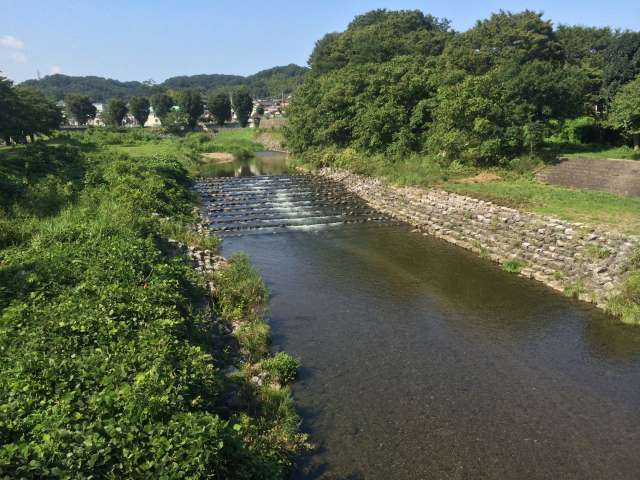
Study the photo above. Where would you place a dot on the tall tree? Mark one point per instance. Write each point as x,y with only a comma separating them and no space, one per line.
140,107
162,104
115,112
622,61
242,105
219,106
190,102
35,113
80,108
8,101
624,112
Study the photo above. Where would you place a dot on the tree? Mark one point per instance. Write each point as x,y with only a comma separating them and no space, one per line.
505,37
175,122
115,112
190,103
622,62
8,102
242,105
378,36
624,112
162,104
139,107
80,108
35,114
219,106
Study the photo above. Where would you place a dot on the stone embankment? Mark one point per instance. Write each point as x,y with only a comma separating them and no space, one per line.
580,260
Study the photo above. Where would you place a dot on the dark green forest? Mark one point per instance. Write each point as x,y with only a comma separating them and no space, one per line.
273,81
398,83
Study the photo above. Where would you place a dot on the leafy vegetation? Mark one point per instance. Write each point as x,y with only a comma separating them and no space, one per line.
513,265
80,108
106,360
242,106
25,113
402,83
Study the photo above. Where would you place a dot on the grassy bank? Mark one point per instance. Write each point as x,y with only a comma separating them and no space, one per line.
510,185
109,358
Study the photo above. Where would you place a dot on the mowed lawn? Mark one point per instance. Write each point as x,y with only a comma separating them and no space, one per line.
617,213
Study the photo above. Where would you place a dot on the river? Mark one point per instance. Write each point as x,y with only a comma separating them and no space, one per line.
423,361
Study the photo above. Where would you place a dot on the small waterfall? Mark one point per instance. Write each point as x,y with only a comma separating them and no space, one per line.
273,203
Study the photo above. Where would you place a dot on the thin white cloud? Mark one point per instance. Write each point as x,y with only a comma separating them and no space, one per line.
55,70
9,41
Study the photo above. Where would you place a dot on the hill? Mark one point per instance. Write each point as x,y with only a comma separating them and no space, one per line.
273,81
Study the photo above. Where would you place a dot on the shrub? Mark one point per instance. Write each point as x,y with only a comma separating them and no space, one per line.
513,265
105,363
282,367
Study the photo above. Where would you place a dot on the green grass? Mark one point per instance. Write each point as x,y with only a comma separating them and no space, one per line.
625,153
619,213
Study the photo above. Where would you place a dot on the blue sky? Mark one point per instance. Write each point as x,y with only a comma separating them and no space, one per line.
142,39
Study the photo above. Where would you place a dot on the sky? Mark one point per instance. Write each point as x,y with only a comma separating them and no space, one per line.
157,39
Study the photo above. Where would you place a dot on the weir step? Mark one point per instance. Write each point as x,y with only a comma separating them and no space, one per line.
272,204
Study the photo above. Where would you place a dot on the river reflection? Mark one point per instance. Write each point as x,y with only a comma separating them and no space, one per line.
422,361
264,163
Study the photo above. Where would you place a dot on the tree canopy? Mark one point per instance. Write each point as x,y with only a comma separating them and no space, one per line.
624,113
242,106
190,103
80,108
403,82
25,112
219,106
115,112
162,104
140,108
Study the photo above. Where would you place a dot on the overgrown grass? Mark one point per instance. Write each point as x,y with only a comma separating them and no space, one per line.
626,305
106,365
619,213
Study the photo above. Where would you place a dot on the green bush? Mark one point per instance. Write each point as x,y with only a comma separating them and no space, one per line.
282,367
513,265
106,369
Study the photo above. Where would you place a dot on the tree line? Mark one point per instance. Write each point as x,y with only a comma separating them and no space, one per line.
25,112
401,82
177,112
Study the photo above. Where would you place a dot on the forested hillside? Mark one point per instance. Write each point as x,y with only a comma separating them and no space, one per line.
274,81
398,83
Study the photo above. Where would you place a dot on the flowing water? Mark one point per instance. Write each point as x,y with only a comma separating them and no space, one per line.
422,361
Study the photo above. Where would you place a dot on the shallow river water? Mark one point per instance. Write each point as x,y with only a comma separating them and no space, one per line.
422,361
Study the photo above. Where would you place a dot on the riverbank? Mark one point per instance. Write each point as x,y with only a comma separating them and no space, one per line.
117,357
582,261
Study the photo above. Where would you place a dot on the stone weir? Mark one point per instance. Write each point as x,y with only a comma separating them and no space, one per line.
277,203
583,261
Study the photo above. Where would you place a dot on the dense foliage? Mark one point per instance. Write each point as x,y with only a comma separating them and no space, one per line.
272,82
401,83
80,108
190,103
115,112
140,108
25,113
242,106
219,106
106,362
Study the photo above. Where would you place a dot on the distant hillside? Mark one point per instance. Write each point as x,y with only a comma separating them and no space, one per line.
273,81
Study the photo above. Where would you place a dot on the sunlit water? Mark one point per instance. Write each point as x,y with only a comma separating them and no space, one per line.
422,361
